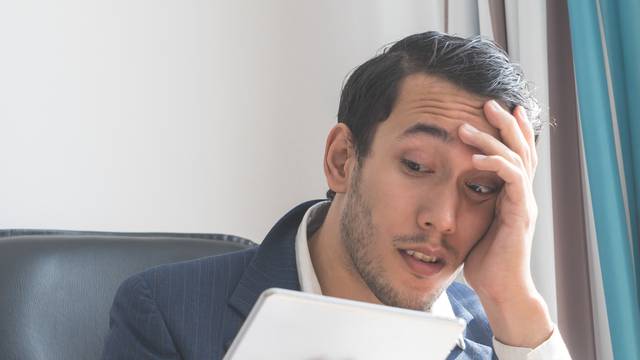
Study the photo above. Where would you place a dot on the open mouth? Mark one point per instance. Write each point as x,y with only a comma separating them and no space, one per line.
422,264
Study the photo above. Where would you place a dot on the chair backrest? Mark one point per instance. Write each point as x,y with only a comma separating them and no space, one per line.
56,287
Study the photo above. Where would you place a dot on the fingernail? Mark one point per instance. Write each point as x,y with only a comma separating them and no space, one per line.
469,128
494,105
479,157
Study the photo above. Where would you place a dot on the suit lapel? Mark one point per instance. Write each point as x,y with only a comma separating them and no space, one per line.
273,266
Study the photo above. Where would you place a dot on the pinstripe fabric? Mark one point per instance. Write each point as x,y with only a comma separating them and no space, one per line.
194,309
477,335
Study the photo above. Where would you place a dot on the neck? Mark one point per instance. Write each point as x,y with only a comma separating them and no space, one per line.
331,263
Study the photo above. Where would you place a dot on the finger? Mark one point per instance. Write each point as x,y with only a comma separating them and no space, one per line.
510,130
487,144
529,134
513,176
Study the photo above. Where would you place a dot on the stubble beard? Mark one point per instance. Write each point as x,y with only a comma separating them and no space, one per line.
358,237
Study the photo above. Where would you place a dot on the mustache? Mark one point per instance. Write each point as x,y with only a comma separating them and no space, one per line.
424,239
411,239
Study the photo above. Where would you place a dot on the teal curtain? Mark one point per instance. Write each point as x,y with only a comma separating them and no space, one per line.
622,33
615,198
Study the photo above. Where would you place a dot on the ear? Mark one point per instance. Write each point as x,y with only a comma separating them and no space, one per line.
339,158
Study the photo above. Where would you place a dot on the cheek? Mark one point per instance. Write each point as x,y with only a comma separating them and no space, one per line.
391,200
389,187
476,222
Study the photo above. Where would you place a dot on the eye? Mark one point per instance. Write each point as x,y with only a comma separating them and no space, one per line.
414,167
481,189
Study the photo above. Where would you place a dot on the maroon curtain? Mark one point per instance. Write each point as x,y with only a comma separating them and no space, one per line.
573,290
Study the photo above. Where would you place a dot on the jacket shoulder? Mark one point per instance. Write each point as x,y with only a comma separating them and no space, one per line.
186,300
219,271
196,291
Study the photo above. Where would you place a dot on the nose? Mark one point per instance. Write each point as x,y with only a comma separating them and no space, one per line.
439,211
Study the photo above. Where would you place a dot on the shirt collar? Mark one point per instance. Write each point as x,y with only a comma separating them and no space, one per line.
311,221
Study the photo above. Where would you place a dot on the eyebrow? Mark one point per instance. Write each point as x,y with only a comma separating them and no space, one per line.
426,129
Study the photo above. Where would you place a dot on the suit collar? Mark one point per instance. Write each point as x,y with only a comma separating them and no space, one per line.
274,264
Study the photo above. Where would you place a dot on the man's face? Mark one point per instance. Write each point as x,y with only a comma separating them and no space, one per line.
416,205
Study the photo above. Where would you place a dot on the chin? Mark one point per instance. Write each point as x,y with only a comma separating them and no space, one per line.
431,287
428,292
422,301
426,284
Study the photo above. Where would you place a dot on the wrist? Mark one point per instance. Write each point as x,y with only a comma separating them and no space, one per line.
521,322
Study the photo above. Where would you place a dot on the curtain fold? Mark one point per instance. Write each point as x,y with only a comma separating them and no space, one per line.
608,190
622,33
492,21
498,23
573,290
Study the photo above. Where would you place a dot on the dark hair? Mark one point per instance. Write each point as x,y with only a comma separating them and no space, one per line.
475,64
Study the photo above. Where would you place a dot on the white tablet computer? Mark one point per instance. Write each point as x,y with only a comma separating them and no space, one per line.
291,325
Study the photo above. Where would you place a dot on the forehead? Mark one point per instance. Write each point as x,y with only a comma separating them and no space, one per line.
433,101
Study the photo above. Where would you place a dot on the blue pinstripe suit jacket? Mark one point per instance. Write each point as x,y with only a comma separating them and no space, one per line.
194,309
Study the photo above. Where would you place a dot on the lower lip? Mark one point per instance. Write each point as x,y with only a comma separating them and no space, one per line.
420,267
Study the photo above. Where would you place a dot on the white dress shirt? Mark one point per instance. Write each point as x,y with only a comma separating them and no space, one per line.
552,349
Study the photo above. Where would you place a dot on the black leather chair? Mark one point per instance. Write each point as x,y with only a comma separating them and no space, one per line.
56,287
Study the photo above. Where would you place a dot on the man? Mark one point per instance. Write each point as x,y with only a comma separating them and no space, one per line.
430,168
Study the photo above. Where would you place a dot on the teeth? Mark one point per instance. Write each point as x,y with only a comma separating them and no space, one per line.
420,256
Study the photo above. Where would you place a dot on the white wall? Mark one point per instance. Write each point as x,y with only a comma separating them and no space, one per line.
188,116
